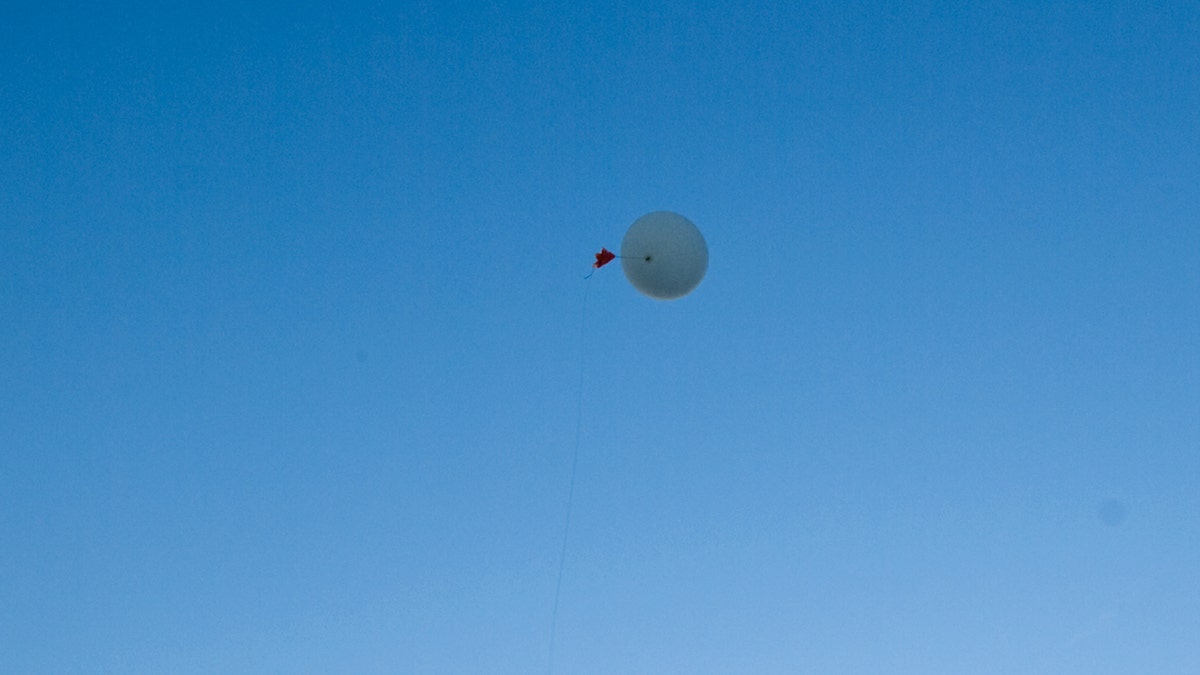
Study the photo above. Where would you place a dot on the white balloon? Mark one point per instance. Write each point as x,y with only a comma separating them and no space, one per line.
664,255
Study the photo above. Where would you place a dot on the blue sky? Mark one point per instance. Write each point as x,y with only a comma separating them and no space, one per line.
290,307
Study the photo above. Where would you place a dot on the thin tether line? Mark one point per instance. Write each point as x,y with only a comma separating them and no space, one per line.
562,554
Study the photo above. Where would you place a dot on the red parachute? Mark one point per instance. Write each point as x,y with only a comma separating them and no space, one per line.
604,257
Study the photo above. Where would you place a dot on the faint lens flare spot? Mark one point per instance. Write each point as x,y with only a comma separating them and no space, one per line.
1111,512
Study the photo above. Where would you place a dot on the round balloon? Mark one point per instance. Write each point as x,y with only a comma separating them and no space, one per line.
664,255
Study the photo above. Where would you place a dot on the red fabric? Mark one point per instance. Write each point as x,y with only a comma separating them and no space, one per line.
604,257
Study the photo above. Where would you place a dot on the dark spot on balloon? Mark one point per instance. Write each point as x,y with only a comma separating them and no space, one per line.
648,258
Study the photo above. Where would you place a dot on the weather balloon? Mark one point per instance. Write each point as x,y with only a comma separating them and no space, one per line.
664,255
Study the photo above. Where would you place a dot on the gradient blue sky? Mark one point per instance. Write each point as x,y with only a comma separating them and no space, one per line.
290,334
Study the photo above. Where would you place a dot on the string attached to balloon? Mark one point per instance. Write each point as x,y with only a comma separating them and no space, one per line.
664,257
562,553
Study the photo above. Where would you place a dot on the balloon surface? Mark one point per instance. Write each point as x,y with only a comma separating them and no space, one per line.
664,255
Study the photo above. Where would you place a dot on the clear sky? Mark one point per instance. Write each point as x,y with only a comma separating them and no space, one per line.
290,308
